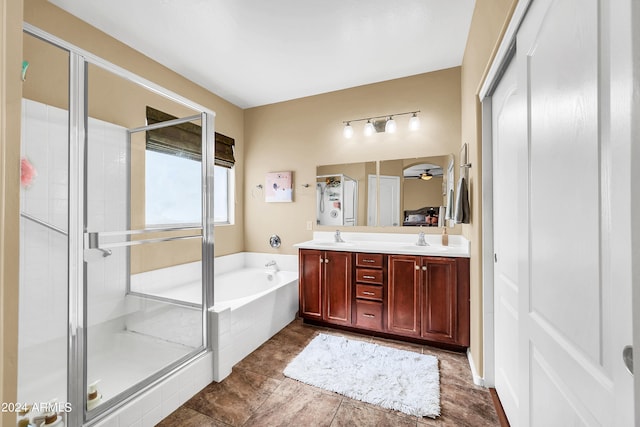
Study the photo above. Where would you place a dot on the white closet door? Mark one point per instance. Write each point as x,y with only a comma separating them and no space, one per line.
509,142
572,262
389,201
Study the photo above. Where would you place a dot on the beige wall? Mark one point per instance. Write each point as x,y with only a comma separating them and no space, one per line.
10,107
301,134
417,193
229,118
490,18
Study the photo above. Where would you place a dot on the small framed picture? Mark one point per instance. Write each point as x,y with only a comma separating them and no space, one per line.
279,187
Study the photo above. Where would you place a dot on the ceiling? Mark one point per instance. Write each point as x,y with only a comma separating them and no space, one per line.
257,52
416,170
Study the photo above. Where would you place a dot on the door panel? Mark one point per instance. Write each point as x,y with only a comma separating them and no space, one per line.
404,295
337,282
567,288
439,300
389,201
558,293
311,265
509,141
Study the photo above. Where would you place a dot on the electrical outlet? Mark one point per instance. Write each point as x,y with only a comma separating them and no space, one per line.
309,225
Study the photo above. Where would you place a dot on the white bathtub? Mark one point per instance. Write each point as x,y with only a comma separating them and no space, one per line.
250,304
249,308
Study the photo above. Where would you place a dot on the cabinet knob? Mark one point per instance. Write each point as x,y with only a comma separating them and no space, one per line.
424,268
326,260
417,267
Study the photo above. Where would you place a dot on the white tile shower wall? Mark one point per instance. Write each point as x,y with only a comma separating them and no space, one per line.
42,320
107,203
43,253
43,260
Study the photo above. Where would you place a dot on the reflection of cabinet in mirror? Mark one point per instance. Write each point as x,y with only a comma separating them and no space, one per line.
342,193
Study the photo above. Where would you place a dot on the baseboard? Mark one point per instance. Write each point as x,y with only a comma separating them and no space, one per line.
477,379
502,416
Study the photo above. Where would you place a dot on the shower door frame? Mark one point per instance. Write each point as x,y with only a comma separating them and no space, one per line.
79,61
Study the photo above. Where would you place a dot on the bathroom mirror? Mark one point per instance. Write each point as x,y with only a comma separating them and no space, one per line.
413,190
407,192
342,193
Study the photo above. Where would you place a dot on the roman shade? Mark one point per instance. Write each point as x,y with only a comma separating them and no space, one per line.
185,140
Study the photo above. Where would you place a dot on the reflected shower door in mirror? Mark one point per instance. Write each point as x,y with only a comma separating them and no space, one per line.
342,193
143,242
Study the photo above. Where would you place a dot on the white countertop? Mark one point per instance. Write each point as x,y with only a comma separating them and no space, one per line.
388,243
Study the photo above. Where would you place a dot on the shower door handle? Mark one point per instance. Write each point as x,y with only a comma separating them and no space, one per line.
93,240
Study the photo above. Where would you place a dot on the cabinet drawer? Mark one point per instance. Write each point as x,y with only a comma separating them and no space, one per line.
369,260
369,314
369,292
365,275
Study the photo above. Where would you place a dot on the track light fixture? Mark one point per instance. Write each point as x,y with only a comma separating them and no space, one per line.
390,126
385,124
347,131
368,128
414,122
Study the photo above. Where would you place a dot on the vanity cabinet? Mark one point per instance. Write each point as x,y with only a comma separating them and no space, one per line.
369,291
404,295
413,297
326,286
429,298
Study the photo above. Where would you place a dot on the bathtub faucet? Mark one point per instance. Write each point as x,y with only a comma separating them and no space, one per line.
271,266
421,241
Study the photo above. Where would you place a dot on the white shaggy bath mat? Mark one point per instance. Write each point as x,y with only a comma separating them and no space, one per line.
396,379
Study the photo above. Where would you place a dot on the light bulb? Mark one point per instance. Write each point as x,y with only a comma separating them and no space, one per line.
368,128
414,122
347,131
390,126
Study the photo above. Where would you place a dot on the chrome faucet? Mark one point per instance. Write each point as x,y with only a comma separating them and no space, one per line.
421,241
271,267
337,237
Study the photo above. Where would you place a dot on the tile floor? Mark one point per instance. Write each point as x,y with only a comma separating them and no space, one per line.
258,394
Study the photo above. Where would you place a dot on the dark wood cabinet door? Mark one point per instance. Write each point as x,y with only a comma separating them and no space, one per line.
403,311
338,271
311,264
439,299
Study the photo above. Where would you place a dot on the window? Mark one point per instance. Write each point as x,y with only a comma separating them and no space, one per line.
172,193
173,190
173,173
221,195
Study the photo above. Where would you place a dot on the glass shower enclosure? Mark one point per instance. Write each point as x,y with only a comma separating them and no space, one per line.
116,231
